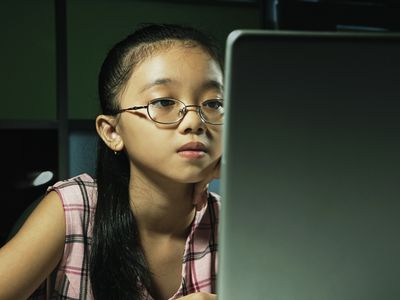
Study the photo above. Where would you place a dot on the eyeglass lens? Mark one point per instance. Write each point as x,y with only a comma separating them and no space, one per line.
171,111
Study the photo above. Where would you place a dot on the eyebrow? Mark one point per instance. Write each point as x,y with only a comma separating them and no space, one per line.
160,81
213,84
210,84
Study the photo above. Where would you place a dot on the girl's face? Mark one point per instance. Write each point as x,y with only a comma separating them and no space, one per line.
188,74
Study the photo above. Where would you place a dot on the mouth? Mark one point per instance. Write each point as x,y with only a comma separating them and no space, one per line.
193,150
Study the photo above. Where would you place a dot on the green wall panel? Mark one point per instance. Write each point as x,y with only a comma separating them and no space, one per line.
94,26
27,60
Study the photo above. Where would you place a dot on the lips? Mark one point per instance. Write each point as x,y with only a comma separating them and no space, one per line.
193,146
193,151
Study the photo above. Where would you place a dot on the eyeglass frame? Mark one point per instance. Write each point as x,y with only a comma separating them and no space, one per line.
184,110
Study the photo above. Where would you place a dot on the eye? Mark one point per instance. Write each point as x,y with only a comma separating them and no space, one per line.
213,104
163,103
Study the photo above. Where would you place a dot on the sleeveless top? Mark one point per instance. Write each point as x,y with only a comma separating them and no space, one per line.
70,279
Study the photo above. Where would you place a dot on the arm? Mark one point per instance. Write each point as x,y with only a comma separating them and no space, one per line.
27,259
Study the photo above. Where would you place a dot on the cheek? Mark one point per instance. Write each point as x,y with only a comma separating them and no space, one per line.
146,147
216,138
140,140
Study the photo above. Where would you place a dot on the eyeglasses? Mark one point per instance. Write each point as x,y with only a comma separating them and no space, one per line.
171,111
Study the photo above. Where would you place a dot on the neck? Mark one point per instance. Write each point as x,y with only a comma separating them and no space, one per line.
161,207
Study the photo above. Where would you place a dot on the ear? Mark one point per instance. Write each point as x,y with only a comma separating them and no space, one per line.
106,129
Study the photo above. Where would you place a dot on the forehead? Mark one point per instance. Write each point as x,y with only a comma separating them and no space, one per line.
178,62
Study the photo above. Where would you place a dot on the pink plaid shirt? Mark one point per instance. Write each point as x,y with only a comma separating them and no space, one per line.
70,280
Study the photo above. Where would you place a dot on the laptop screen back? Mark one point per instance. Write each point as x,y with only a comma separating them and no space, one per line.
311,167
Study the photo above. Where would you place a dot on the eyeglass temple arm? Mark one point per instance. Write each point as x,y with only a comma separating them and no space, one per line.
131,108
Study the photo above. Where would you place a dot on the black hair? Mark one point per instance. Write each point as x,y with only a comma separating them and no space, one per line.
118,268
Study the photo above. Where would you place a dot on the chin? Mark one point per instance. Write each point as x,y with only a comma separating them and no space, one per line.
190,178
192,174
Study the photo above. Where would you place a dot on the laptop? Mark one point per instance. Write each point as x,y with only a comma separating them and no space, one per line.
310,178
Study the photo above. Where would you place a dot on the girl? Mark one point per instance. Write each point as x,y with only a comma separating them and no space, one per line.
146,228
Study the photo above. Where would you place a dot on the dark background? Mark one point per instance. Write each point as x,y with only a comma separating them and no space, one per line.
50,55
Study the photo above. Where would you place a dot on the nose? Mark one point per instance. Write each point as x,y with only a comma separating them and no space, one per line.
191,121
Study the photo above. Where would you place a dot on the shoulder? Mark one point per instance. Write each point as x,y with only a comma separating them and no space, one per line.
208,217
202,247
214,204
80,180
215,199
78,197
78,190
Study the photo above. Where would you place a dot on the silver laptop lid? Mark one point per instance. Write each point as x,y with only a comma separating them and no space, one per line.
310,171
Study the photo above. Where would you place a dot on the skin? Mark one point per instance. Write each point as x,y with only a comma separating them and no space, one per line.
34,252
165,188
